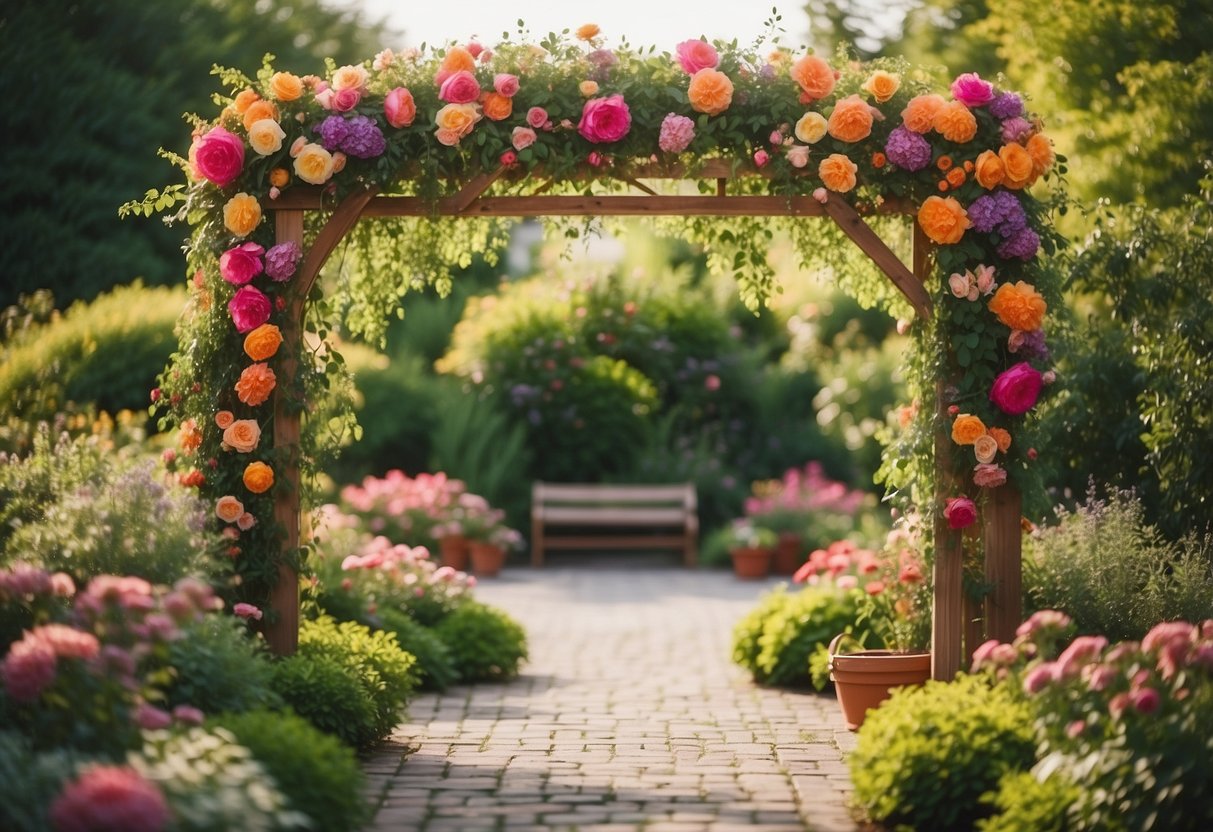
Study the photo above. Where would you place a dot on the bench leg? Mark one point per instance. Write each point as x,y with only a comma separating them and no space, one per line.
537,545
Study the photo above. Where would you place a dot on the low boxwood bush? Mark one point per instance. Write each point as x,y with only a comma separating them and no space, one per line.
485,643
927,755
1027,804
327,695
318,774
218,668
777,639
435,665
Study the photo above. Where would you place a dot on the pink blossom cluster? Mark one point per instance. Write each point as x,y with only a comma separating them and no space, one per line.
110,797
24,582
409,569
805,490
413,505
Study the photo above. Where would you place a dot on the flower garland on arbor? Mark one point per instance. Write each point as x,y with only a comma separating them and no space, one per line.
422,123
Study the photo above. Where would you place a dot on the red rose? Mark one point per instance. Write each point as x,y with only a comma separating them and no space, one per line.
960,512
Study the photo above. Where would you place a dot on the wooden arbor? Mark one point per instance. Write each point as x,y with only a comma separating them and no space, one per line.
956,625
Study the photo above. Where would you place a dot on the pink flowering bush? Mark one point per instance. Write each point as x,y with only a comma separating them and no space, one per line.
807,503
1125,723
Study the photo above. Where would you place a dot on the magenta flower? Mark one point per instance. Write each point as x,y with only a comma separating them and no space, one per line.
960,512
241,264
249,308
694,55
605,120
1016,389
460,88
971,91
1146,700
219,156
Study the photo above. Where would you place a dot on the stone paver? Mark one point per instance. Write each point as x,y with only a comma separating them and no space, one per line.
628,716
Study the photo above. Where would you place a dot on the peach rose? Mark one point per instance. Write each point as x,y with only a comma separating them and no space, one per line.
399,107
259,477
943,219
228,509
224,419
447,137
588,89
350,78
314,164
988,170
191,436
587,31
815,77
458,119
1040,148
255,384
985,448
286,87
242,435
812,127
919,114
882,85
1019,306
497,107
262,342
837,172
265,137
243,100
967,428
1002,438
851,120
258,110
1018,168
241,214
710,92
455,60
955,122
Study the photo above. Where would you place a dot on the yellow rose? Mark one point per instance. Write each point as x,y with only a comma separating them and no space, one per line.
314,164
458,119
265,137
882,85
263,342
985,447
228,509
811,128
259,477
967,428
286,87
241,214
587,88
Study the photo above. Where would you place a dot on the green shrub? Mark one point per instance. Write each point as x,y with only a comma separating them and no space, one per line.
326,694
1114,574
30,781
927,755
1026,804
386,673
435,664
485,643
319,776
218,668
776,640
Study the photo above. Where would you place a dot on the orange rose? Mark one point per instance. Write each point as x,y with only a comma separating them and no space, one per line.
837,173
943,219
241,214
255,384
955,122
497,107
228,509
258,477
455,60
1018,167
191,436
279,177
956,177
967,428
851,120
1002,438
989,170
919,114
286,87
1040,148
224,419
1019,306
710,92
458,119
258,110
262,342
244,100
882,85
587,31
242,435
815,77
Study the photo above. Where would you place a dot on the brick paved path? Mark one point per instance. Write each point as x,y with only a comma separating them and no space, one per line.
628,716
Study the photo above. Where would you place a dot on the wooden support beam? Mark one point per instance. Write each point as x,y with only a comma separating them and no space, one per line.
333,232
470,192
1004,566
947,620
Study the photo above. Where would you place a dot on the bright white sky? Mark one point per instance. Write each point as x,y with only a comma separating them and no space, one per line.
660,23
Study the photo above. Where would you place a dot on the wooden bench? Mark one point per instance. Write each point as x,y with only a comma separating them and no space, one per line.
613,516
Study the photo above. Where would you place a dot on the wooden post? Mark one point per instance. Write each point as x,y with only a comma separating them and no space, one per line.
1004,569
282,633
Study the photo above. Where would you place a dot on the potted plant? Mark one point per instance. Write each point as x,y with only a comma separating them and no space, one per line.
751,548
488,553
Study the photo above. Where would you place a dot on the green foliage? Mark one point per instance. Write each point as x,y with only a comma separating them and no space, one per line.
485,643
320,777
927,755
325,693
30,781
1027,804
218,667
1115,574
775,641
435,664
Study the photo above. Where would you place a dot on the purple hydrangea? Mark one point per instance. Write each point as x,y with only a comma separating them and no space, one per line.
1006,105
603,60
991,211
1016,129
1030,345
1023,243
332,132
282,260
364,139
908,150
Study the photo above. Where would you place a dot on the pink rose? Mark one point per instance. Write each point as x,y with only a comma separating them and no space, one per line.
1146,700
219,156
798,155
1038,678
676,133
537,117
971,91
522,138
960,512
508,158
247,611
345,100
1016,389
249,309
460,88
989,475
474,48
506,84
241,264
605,119
399,107
761,158
694,55
596,159
151,718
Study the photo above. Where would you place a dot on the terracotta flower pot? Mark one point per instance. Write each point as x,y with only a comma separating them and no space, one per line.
751,563
487,558
453,549
864,679
788,556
